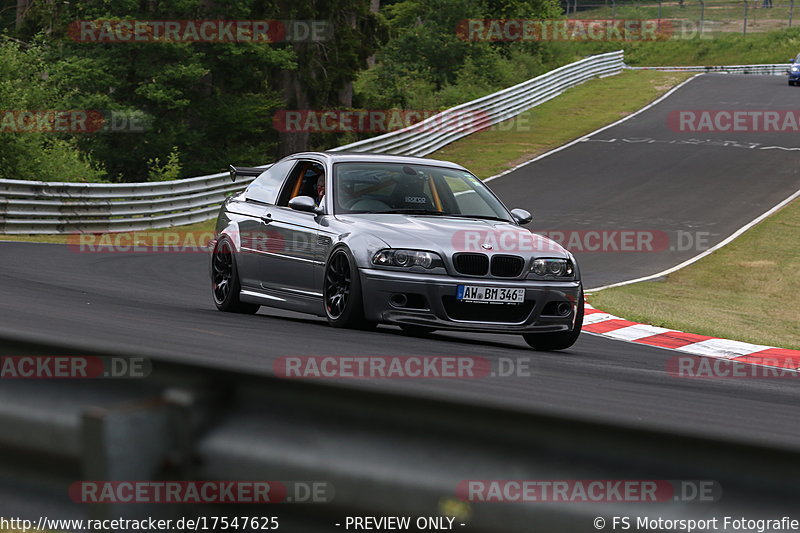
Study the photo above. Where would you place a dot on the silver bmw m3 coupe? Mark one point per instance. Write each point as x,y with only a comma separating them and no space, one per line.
363,239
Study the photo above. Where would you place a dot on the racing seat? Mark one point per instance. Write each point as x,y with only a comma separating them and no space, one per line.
410,194
306,184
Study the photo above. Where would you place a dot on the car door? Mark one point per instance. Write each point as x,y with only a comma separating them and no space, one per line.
254,227
290,260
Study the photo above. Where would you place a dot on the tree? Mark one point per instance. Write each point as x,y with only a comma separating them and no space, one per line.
327,67
211,101
427,56
27,149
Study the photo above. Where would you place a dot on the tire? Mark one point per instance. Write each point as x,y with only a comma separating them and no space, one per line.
416,331
341,292
560,340
225,284
791,83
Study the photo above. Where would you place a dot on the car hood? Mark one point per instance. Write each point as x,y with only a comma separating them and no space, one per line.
448,235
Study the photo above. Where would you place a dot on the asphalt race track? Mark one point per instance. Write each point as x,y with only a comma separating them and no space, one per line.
160,304
641,175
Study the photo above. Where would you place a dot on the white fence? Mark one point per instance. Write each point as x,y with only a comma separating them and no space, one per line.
57,207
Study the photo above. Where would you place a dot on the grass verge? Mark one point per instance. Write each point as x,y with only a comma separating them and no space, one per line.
125,237
777,46
549,125
744,291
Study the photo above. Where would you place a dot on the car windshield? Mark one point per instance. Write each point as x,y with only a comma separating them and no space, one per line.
413,189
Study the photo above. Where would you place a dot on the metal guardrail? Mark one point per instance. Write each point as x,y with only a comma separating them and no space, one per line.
379,453
457,122
57,207
30,207
772,69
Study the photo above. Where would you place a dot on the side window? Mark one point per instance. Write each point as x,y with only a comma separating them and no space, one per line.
303,182
265,188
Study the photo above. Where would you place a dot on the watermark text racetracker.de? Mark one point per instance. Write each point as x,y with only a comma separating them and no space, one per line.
152,241
386,120
73,367
528,30
583,240
588,490
765,367
199,31
401,367
171,241
734,120
201,492
73,121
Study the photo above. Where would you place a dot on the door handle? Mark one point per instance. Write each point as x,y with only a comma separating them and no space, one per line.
266,219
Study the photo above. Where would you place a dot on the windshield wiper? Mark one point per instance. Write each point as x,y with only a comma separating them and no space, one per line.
431,213
404,212
418,212
482,217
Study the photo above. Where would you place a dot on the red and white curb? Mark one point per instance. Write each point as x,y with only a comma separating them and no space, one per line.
605,324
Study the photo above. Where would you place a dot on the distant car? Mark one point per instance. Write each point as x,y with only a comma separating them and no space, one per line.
362,239
794,71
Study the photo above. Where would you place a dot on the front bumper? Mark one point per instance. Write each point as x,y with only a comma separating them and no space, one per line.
440,310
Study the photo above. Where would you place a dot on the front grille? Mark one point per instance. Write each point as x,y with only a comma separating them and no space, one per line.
507,266
486,312
471,264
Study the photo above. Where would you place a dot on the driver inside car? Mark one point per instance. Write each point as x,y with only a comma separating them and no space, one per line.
320,188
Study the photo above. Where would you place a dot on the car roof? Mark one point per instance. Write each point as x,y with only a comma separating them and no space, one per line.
366,157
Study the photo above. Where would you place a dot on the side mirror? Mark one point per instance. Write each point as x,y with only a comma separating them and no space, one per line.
521,216
791,60
305,204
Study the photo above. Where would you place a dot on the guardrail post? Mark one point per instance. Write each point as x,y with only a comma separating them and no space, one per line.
702,16
137,441
744,27
659,14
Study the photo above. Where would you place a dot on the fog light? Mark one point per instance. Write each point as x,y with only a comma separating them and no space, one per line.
398,300
564,309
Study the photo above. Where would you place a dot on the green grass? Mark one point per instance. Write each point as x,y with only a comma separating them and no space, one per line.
567,117
199,227
724,49
744,291
726,11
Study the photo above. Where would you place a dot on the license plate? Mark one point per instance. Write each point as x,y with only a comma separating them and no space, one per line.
503,295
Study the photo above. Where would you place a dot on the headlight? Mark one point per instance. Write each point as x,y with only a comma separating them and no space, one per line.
556,268
794,69
407,258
